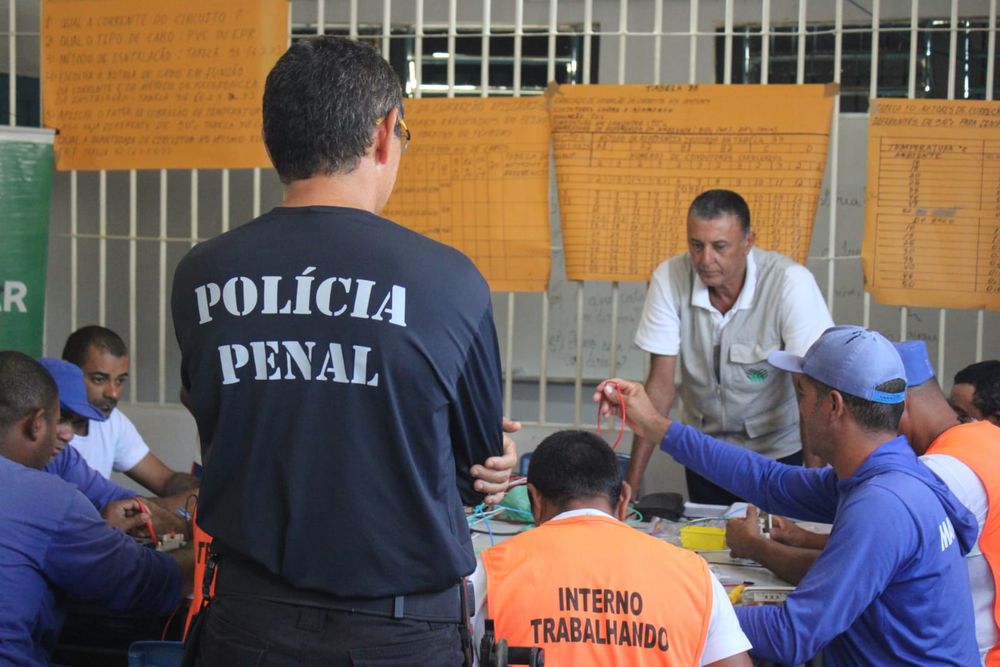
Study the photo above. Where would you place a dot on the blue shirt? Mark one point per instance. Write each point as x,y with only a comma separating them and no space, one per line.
891,586
54,543
70,466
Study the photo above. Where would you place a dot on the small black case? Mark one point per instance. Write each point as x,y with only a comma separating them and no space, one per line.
667,505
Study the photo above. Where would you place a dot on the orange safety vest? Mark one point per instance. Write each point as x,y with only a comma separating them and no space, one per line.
977,445
202,541
593,591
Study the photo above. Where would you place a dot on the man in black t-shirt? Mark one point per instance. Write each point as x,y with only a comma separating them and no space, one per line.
344,374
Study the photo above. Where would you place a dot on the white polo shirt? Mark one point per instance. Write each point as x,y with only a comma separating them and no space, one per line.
803,314
113,444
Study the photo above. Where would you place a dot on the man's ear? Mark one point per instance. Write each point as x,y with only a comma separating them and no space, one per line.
537,502
749,241
838,408
384,135
621,507
34,425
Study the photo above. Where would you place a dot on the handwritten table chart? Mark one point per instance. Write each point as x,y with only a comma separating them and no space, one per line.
476,176
630,159
932,215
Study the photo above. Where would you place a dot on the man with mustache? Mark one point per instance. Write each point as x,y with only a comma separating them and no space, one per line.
718,310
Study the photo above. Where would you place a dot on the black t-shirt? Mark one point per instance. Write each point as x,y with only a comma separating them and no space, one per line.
344,373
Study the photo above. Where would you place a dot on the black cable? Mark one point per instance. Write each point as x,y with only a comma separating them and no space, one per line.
854,2
486,532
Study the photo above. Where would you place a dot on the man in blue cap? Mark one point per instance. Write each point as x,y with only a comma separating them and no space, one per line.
966,456
912,604
116,504
53,543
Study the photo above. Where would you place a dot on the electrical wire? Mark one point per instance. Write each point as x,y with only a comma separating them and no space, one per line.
479,512
496,533
166,626
149,522
621,430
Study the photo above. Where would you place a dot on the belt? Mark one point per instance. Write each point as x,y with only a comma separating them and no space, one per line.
238,576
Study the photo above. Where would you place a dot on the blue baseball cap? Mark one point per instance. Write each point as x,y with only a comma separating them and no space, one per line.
916,361
72,391
850,359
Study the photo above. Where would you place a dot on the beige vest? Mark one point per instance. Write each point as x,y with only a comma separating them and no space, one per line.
752,403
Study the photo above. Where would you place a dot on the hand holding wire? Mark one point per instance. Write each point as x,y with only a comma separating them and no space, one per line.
610,387
628,400
149,521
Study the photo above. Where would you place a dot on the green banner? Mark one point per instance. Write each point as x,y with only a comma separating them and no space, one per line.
25,194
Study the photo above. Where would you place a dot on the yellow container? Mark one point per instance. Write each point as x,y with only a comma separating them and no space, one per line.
703,538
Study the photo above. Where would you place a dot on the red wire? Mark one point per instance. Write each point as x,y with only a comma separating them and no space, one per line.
621,431
170,619
149,523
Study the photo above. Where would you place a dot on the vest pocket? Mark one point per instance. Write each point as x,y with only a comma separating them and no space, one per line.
751,353
748,372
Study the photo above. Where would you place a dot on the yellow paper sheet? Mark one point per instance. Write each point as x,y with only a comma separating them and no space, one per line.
932,205
476,177
630,159
159,85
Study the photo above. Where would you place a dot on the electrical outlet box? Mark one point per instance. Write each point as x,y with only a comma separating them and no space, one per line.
766,594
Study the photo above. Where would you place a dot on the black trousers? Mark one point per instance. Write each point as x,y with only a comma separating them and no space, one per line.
701,490
244,631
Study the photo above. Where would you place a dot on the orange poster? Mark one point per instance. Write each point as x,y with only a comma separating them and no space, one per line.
630,159
476,176
159,85
932,205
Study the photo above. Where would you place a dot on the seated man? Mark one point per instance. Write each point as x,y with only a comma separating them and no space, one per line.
114,443
976,391
579,585
116,504
965,456
891,586
53,543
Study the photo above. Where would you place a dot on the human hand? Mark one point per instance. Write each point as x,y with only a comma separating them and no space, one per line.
127,516
640,414
492,477
787,532
165,519
743,535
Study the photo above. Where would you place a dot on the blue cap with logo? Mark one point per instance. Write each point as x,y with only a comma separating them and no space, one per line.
916,361
850,359
72,390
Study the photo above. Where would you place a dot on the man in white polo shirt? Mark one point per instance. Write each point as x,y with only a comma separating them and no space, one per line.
721,308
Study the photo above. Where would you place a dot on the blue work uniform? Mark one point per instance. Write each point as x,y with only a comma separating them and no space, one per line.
70,466
53,543
891,587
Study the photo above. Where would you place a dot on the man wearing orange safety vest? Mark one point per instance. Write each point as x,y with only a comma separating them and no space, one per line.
591,590
966,456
